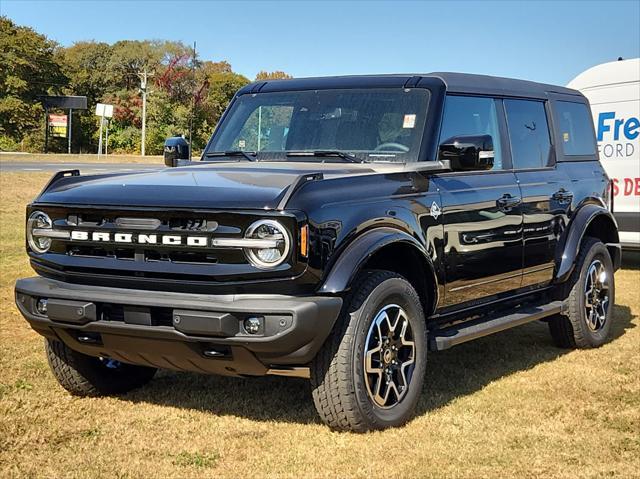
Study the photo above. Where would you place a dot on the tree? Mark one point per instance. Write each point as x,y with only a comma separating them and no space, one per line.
181,85
276,75
129,58
222,88
29,69
209,67
84,63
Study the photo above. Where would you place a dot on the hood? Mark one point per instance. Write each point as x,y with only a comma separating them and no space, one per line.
239,186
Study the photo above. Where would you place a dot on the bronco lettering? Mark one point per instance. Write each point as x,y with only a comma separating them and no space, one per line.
142,238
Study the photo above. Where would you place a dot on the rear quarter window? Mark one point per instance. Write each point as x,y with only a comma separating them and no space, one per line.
575,129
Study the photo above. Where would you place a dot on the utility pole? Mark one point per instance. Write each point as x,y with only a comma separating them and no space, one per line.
46,129
69,130
100,141
193,100
143,89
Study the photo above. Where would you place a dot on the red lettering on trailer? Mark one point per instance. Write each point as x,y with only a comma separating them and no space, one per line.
631,187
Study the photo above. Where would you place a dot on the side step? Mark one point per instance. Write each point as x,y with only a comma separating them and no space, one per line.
445,338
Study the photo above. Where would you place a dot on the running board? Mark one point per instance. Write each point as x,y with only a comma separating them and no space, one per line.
445,338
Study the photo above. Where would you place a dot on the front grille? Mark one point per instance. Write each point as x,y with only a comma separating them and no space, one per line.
192,224
159,265
181,257
178,225
97,252
148,255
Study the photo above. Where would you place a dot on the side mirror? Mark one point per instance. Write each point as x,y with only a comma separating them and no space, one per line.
468,153
176,150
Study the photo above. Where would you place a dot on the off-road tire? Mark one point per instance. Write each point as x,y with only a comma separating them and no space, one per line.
337,372
84,375
570,330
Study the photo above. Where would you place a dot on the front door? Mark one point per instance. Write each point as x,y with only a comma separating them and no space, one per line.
481,211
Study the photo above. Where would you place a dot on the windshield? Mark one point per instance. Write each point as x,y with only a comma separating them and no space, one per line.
384,124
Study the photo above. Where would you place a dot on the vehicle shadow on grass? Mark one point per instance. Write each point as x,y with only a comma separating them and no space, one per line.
471,366
457,372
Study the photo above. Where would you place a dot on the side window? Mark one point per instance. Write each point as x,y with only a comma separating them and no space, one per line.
575,130
528,133
466,115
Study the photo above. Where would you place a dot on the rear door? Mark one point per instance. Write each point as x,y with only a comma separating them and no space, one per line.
481,210
546,191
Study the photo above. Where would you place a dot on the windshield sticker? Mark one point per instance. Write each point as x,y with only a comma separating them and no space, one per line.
565,137
242,144
409,121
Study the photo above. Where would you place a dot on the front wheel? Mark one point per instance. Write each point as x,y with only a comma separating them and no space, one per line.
84,375
370,371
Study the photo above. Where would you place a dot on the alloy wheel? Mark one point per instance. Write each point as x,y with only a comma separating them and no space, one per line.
389,359
596,295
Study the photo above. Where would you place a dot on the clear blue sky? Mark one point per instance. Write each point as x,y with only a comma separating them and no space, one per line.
545,41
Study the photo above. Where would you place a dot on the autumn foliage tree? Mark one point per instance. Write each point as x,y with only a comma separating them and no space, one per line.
179,84
276,75
28,69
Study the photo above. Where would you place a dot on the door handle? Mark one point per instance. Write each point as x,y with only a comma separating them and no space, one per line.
562,196
508,202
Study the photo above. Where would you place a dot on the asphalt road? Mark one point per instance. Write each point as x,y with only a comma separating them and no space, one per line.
35,167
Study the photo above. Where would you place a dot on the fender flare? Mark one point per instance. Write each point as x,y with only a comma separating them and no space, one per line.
357,253
566,259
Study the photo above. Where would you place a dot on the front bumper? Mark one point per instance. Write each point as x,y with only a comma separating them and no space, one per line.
182,331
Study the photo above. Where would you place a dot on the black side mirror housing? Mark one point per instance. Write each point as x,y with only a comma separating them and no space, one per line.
468,153
176,150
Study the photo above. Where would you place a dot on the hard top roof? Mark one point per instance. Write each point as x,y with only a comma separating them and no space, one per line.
453,82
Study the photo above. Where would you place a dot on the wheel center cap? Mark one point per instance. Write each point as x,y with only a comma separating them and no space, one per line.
387,356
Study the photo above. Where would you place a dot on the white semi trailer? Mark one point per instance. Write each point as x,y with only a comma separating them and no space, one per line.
613,89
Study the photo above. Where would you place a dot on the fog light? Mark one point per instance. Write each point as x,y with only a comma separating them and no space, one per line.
41,306
252,325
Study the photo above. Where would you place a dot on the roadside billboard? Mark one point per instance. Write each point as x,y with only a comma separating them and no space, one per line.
58,126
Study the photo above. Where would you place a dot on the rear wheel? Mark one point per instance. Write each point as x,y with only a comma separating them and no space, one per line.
84,375
370,371
589,300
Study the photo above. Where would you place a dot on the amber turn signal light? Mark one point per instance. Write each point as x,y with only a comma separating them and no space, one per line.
304,240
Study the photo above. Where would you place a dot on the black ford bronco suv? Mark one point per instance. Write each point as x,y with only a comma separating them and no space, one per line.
335,229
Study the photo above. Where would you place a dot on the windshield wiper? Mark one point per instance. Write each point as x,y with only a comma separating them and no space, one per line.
323,153
249,155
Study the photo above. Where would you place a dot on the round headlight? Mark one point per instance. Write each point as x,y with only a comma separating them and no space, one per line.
38,221
277,243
